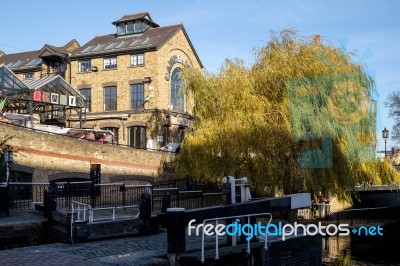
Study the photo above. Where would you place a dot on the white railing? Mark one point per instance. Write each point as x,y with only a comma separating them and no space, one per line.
85,212
114,209
81,209
202,259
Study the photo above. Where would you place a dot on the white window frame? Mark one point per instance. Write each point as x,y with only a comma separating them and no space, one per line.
82,68
29,75
110,63
137,60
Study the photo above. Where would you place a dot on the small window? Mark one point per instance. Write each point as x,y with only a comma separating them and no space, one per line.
137,60
30,75
110,63
85,66
110,98
86,92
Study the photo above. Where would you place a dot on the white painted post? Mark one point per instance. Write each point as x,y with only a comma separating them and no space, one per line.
232,181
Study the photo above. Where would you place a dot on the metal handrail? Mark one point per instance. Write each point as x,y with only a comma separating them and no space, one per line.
84,205
113,210
87,207
202,259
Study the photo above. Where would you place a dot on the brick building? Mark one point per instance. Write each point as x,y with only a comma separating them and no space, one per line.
130,79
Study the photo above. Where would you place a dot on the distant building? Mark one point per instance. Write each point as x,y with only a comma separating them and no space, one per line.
130,80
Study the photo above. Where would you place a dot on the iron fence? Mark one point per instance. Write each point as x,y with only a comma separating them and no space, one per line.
4,207
118,194
163,198
65,192
181,184
23,196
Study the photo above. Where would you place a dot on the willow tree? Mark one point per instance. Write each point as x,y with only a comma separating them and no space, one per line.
299,118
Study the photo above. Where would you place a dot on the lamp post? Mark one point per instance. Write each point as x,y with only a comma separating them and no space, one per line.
8,159
385,136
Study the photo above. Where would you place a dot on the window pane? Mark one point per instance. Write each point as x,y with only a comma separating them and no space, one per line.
114,130
129,28
110,98
133,60
85,66
137,96
88,95
137,60
138,27
121,29
140,59
137,137
110,63
177,95
29,75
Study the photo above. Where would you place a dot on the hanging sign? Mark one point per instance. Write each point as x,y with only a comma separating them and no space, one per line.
55,98
37,96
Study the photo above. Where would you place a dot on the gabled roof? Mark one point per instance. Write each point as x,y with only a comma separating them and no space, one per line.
32,60
70,46
52,51
134,17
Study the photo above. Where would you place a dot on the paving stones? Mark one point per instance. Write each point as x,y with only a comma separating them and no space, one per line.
137,250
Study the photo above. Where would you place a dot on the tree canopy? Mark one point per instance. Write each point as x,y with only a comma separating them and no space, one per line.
299,118
393,103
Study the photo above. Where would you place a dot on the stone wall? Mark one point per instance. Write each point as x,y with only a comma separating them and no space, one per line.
51,155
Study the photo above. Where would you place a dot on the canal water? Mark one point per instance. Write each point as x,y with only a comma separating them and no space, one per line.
347,250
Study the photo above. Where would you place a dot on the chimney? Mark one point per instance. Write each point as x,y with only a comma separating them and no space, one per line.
2,53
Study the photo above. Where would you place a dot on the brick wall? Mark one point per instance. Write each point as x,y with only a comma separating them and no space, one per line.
51,154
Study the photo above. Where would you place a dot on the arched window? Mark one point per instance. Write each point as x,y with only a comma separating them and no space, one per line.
177,95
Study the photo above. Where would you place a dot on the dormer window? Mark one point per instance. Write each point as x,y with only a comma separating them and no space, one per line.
134,23
132,27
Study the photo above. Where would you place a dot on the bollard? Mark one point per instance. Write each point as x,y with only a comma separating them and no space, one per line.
166,203
228,190
176,230
145,211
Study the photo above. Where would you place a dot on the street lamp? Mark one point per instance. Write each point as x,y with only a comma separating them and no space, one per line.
8,159
385,135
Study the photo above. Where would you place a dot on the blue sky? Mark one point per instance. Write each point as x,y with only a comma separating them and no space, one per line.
221,29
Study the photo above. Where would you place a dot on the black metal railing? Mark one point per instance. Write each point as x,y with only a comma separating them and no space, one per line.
66,192
4,206
164,197
23,196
